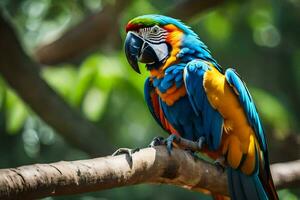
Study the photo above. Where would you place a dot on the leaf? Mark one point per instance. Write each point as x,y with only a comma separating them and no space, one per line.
61,79
16,113
94,103
272,111
218,26
84,79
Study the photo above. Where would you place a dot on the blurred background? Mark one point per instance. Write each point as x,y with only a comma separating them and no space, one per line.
95,101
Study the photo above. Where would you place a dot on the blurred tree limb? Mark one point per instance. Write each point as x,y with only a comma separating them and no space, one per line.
186,9
85,36
94,30
150,165
23,75
280,148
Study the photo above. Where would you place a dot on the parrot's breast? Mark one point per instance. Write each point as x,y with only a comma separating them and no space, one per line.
175,103
170,86
183,118
172,95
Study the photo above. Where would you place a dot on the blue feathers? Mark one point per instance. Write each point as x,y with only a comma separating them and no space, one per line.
172,74
193,48
192,115
246,187
211,119
249,107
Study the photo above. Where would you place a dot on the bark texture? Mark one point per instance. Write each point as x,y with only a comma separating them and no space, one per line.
150,165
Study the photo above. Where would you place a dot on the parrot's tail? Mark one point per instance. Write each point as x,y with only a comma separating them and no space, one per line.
220,197
253,187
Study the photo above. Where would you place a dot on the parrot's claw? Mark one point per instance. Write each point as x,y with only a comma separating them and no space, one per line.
220,163
128,153
125,151
169,142
193,154
157,141
200,142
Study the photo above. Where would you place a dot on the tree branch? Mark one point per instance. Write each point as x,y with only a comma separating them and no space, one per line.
280,148
91,33
286,175
85,36
23,75
150,165
186,9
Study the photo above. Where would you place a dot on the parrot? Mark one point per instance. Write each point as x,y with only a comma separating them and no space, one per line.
189,95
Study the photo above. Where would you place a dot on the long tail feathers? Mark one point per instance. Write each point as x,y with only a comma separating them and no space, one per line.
220,197
245,187
254,187
267,180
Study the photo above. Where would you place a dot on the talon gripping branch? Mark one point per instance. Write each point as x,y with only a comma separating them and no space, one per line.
189,95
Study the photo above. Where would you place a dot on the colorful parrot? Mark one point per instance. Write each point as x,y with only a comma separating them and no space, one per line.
189,95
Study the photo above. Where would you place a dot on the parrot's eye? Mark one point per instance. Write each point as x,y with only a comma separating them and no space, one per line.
153,34
155,29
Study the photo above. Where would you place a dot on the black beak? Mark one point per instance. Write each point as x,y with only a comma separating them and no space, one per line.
138,50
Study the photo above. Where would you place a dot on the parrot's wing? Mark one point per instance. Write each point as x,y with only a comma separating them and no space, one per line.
153,103
211,124
252,184
152,100
247,102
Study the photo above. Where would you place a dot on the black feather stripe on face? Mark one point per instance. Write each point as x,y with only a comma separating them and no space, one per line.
154,35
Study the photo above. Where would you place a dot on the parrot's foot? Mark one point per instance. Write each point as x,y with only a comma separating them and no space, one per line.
125,151
128,153
200,142
193,154
169,142
220,163
157,141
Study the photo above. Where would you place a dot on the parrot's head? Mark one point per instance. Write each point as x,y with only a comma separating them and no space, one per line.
157,41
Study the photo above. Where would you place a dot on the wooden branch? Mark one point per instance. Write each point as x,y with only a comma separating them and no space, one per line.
91,33
23,75
286,175
85,36
150,165
186,9
280,148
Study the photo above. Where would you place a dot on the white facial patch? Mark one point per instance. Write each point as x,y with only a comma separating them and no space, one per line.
161,50
155,37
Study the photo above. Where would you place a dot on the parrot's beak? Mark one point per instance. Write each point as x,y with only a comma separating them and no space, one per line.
138,50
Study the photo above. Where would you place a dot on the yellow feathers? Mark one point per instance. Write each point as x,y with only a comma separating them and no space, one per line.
174,38
238,139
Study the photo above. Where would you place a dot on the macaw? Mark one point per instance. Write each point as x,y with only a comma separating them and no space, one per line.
190,95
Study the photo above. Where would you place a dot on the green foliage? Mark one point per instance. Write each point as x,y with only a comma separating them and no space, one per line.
61,79
216,19
273,112
286,195
15,110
